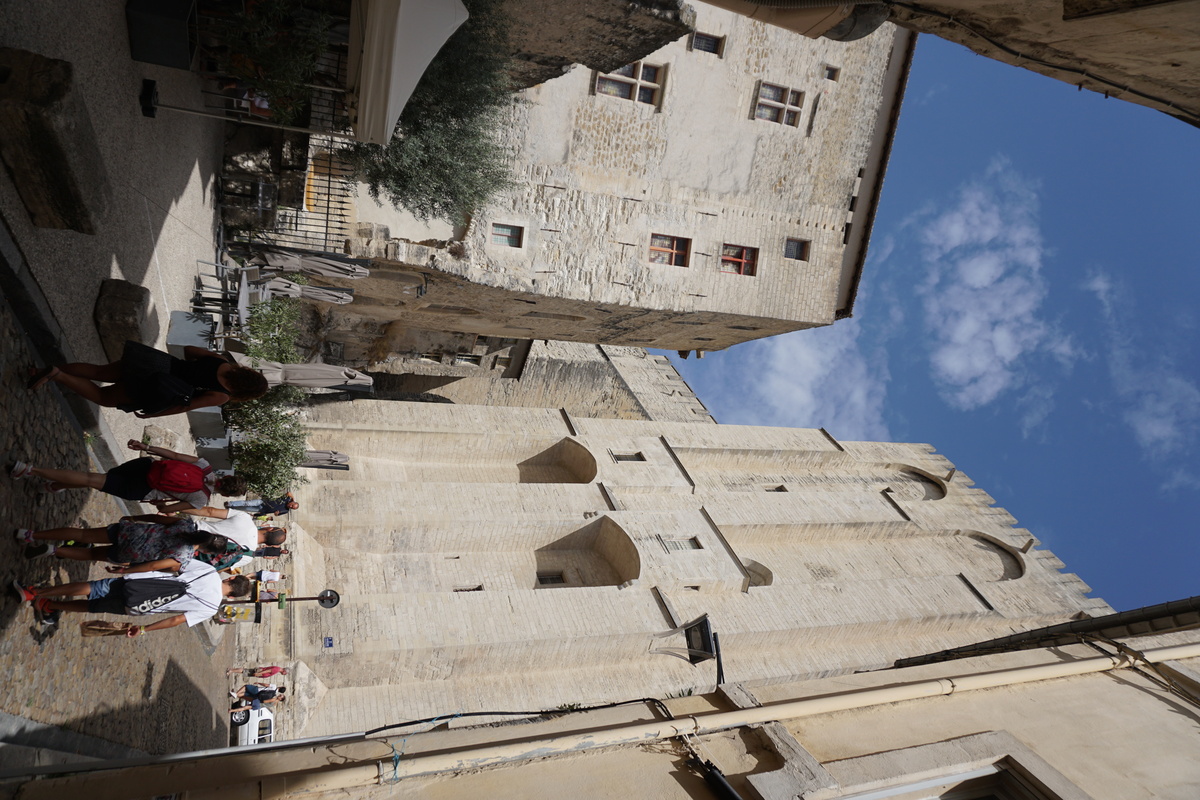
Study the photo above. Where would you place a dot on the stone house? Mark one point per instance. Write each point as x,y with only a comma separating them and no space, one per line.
719,190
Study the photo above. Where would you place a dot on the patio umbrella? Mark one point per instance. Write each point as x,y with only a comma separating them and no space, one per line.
328,459
282,287
310,265
391,44
309,376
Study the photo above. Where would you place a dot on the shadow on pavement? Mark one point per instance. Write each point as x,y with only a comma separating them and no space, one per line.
175,716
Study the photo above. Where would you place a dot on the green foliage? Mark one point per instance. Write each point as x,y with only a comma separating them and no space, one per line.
444,159
274,48
272,330
274,443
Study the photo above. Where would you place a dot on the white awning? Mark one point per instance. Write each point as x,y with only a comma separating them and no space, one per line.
391,44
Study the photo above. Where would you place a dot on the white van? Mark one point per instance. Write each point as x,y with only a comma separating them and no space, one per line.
254,726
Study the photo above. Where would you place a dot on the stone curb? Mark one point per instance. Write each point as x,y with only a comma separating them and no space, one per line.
21,294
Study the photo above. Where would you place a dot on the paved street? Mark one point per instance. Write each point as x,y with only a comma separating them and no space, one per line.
164,692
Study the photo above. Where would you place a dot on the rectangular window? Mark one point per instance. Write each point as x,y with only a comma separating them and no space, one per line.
636,81
669,250
738,259
780,104
628,457
503,362
507,235
707,43
468,359
476,588
796,249
832,73
433,358
682,544
550,579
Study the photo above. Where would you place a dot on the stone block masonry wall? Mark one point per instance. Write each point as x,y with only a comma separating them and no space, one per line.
586,380
695,157
472,583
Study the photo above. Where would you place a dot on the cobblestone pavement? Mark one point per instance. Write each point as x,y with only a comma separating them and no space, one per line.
160,693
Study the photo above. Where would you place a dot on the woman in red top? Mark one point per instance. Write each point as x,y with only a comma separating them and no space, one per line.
131,480
258,672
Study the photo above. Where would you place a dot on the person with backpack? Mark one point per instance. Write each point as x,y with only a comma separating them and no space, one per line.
258,695
172,481
164,546
192,596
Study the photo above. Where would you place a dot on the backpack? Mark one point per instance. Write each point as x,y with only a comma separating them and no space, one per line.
175,477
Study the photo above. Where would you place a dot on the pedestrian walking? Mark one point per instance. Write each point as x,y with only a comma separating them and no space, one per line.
278,507
258,694
258,672
191,597
171,481
132,546
151,383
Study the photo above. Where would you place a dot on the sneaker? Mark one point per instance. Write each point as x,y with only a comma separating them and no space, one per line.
42,606
47,487
24,536
47,619
38,550
21,470
24,592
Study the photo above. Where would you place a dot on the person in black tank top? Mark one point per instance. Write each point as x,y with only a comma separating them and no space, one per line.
151,383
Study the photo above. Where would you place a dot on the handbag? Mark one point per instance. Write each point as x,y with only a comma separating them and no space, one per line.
163,390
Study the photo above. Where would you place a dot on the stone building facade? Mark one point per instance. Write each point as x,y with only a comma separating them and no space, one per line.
499,558
586,380
1141,51
719,190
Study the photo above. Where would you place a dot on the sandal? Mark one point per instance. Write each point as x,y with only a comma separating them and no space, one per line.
38,379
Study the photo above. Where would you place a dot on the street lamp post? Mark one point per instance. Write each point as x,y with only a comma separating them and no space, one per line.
326,599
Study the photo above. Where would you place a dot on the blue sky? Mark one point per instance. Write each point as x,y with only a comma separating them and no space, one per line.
1030,308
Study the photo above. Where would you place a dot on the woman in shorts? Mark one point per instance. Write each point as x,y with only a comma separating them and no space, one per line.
132,546
131,480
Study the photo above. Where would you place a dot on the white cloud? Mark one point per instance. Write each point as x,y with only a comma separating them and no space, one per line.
1159,402
818,378
983,293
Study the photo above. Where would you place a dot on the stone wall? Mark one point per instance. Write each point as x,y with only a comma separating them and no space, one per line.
586,380
599,175
549,36
1143,52
519,557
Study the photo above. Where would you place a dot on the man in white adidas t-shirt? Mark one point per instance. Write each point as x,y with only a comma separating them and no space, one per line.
203,591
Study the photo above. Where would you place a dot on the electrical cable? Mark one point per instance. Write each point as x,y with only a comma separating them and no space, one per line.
652,701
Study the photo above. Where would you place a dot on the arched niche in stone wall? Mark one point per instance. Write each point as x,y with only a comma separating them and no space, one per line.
566,461
992,559
600,553
914,483
760,575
